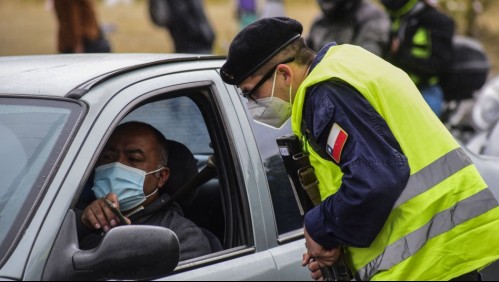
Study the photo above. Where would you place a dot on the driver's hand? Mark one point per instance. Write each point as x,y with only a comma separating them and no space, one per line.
99,216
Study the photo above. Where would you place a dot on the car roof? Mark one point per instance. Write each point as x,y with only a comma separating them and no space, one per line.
57,75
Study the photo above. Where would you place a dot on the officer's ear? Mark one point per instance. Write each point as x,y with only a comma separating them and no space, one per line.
286,72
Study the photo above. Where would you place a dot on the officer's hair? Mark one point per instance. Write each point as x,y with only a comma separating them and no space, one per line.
160,138
298,49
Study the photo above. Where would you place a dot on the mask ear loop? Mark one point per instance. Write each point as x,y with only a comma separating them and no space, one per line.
154,192
154,171
273,86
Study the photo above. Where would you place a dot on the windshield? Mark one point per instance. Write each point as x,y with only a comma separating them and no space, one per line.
33,133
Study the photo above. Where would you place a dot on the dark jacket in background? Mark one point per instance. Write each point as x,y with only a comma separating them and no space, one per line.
368,27
187,23
410,56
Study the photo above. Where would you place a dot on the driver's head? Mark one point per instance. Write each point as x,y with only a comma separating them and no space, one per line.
133,165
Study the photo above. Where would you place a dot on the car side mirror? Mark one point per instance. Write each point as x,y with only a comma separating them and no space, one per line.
134,252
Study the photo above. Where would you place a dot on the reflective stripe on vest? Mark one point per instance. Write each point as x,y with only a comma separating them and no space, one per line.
406,247
433,174
419,183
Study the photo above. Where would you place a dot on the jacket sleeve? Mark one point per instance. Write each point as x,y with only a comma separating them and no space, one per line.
374,167
193,241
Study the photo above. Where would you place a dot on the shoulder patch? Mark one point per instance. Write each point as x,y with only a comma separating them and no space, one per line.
336,142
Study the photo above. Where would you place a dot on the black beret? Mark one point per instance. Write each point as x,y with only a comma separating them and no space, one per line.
256,44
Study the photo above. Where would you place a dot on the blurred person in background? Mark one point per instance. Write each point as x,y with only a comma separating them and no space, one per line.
79,30
357,22
421,44
246,12
187,23
273,8
111,3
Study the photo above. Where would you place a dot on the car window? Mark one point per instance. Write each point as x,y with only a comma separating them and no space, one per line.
287,213
33,133
190,121
178,119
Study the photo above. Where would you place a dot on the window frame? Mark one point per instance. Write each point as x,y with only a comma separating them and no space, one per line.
235,203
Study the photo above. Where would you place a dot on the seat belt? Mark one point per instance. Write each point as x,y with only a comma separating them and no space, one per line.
206,174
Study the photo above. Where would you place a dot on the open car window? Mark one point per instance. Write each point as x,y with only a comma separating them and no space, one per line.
192,125
190,118
181,121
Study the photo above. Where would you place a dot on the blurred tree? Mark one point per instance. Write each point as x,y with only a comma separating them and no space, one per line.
466,13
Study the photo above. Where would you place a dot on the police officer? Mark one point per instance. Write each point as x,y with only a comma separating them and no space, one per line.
421,44
357,22
398,193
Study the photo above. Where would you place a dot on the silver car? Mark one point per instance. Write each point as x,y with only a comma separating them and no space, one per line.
56,114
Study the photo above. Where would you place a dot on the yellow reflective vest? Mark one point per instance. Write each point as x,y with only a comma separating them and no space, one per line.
446,221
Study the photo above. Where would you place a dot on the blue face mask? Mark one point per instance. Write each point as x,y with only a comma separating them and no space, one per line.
126,182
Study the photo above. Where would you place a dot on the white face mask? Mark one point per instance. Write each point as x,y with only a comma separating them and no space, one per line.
271,111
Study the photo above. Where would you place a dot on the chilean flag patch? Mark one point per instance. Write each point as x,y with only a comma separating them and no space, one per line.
336,142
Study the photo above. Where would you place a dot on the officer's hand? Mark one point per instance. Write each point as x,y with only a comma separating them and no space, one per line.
99,216
318,253
313,266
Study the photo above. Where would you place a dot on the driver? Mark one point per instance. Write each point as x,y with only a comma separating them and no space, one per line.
129,174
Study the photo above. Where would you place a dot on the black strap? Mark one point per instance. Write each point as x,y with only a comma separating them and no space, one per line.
209,172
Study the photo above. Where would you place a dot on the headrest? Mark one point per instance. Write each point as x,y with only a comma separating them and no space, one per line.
183,167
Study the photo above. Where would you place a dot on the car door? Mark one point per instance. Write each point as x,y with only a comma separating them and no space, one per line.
248,256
